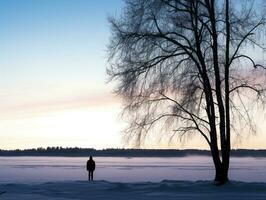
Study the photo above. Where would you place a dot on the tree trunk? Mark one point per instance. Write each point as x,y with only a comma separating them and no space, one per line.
221,175
221,168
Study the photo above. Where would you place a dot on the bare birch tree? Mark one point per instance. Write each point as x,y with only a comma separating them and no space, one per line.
187,64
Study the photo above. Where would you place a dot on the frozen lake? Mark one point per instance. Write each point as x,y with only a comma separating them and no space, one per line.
122,169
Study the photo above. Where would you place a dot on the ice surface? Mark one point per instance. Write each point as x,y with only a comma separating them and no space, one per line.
121,169
61,178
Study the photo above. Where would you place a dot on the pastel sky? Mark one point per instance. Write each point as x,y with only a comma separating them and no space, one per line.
53,89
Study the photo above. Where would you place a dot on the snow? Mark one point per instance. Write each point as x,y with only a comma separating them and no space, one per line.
60,178
185,190
122,169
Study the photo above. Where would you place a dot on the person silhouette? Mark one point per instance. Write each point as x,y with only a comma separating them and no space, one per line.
90,168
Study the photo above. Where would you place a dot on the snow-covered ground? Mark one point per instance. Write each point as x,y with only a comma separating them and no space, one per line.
121,169
129,178
183,190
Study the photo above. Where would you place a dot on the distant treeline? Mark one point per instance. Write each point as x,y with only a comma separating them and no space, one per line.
85,152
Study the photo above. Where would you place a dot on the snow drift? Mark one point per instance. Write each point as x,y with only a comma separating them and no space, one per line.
185,190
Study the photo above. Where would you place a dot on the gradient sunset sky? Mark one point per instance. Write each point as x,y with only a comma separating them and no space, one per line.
53,89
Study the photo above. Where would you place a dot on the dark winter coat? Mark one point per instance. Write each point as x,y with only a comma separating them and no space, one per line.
90,165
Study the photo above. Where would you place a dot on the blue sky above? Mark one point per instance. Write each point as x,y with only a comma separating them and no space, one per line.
52,68
53,89
53,40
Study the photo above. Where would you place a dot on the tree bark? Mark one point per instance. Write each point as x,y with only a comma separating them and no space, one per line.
221,168
221,175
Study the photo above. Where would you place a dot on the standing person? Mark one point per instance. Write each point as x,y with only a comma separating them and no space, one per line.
90,168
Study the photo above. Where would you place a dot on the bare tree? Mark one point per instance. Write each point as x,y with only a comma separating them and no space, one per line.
186,65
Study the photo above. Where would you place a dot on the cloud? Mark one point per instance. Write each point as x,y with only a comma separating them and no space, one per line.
13,106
